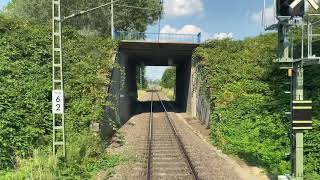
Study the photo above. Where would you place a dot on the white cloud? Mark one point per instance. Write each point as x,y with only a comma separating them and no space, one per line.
269,16
187,29
182,7
186,33
192,29
168,29
223,35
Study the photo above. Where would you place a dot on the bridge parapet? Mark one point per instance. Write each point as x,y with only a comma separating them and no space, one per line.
158,37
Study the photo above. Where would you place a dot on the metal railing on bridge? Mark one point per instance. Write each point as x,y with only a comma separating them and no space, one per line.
158,37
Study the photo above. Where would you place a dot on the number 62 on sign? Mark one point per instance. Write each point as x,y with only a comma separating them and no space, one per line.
57,102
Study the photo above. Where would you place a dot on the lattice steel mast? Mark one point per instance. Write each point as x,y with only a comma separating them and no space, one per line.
58,112
59,138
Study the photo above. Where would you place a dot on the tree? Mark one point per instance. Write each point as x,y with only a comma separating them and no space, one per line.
126,19
141,76
168,78
25,87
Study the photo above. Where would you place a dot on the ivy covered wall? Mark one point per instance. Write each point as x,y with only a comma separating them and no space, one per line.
246,88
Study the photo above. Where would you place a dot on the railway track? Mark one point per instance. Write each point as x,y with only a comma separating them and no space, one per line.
167,156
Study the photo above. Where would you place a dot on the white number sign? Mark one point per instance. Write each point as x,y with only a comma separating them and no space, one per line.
57,102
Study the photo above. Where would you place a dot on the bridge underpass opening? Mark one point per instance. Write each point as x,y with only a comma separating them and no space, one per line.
135,54
162,78
181,85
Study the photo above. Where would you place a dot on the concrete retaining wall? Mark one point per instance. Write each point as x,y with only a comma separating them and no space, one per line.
119,95
111,114
198,105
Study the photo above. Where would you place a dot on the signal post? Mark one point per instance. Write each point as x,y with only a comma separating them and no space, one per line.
290,14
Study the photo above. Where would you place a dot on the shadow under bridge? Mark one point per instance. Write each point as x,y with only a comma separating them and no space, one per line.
134,53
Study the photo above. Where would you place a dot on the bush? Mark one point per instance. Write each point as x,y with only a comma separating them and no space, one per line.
168,78
244,87
86,157
247,89
26,82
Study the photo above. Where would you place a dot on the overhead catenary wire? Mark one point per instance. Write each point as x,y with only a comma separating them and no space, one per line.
136,7
87,11
101,6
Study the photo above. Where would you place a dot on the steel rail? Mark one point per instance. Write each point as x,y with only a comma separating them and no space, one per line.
150,137
183,149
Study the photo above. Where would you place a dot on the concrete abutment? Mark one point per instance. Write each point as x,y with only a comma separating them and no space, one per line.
123,89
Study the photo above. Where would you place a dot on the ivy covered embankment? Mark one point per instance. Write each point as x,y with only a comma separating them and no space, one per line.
246,89
25,101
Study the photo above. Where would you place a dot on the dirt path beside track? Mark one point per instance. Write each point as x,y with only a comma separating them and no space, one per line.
210,164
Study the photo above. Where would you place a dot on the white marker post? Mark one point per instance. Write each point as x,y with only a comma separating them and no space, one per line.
311,2
57,102
295,3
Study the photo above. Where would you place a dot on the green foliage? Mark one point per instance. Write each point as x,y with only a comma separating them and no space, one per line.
168,79
247,89
25,91
312,138
141,76
244,87
169,93
99,20
86,157
88,63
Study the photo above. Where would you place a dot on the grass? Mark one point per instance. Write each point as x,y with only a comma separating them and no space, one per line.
86,158
40,166
141,95
169,93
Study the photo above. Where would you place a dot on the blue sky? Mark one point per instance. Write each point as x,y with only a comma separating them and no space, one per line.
3,3
216,19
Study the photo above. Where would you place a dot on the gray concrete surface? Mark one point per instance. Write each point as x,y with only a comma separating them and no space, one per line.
123,89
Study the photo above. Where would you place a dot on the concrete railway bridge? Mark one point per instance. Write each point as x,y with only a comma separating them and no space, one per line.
157,132
140,49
